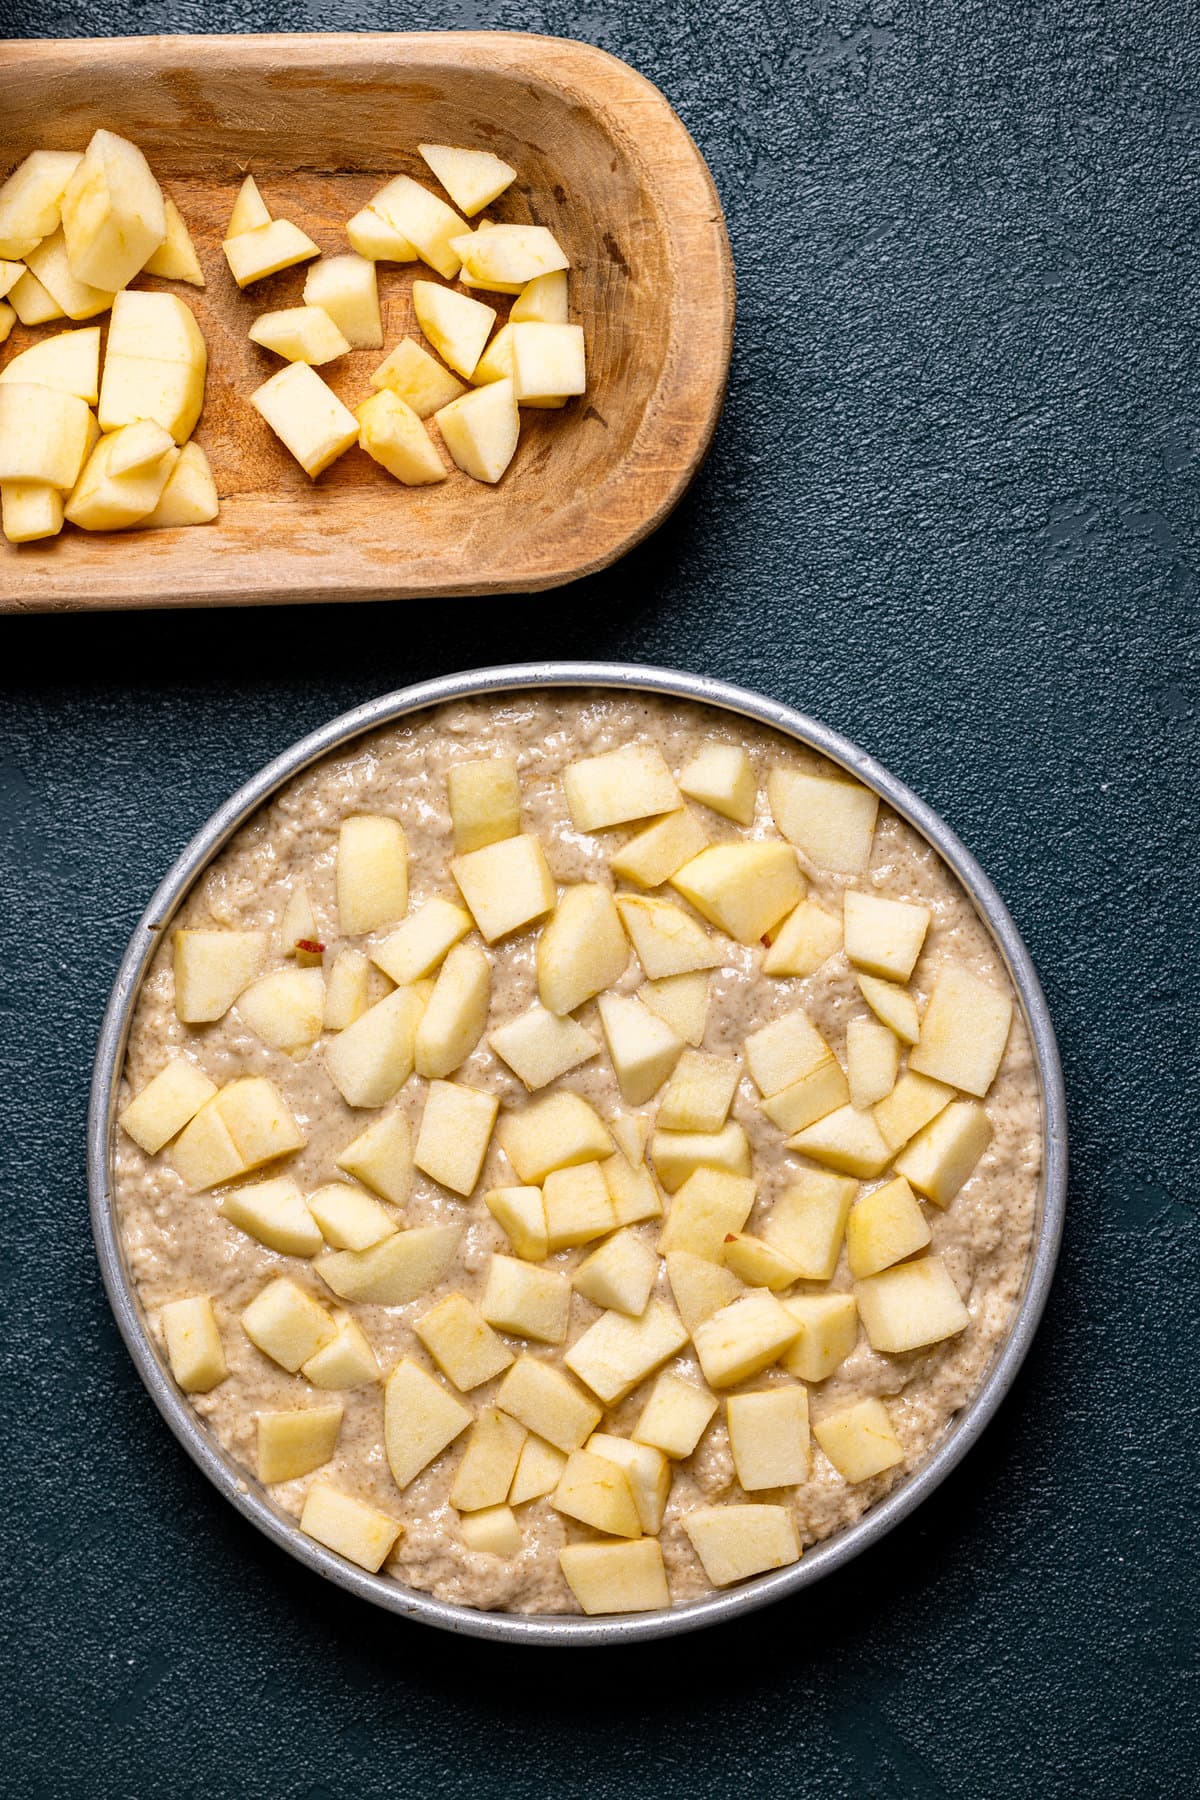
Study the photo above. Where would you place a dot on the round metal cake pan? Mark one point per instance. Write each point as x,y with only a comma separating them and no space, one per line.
241,1489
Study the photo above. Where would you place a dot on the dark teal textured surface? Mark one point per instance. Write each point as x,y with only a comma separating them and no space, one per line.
954,509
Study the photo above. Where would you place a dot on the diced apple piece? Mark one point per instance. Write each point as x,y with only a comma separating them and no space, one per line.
69,361
845,1140
381,1156
744,1338
828,1333
618,786
78,299
420,1418
193,1342
372,870
708,1206
619,1275
617,1352
258,1120
509,256
941,1157
548,362
455,1129
768,1436
528,1302
346,289
582,950
166,1104
722,776
678,1154
485,802
304,334
701,1287
463,1344
286,1009
912,1103
758,1263
489,1462
30,511
31,303
744,889
371,1060
493,1530
539,1047
481,429
155,365
10,274
549,1403
266,249
520,1213
454,1020
472,178
421,943
506,885
138,448
307,417
287,1324
274,1213
872,1062
699,1093
884,937
212,968
735,1542
676,1416
347,989
539,1470
371,235
104,501
598,1493
543,300
616,1577
860,1440
645,1468
457,326
31,199
667,941
360,1533
175,259
421,383
807,938
205,1152
347,1362
808,1222
631,1190
395,1270
642,1047
298,926
113,213
44,435
682,1000
249,210
426,222
349,1218
654,855
631,1132
294,1443
884,1227
830,819
964,1032
558,1132
910,1306
892,1006
785,1051
819,1092
578,1206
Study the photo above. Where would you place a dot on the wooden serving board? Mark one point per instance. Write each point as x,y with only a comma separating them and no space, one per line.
322,122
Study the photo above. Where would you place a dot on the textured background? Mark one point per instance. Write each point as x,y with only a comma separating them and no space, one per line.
952,509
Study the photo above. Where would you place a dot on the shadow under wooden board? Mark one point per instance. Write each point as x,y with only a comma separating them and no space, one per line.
322,122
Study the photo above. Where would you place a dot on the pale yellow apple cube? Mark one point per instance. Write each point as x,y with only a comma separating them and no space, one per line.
735,1542
539,1470
454,1020
893,1006
785,1051
345,288
830,819
963,1032
371,1060
489,1461
462,1343
768,1437
258,1121
193,1342
493,1530
286,1009
508,256
631,1190
667,941
943,1156
29,510
547,1402
743,888
166,1104
287,1324
884,937
310,421
617,1352
485,802
656,853
646,1469
543,299
578,1206
381,1157
102,501
619,1275
347,1362
618,786
298,926
758,1263
294,1443
372,872
828,1333
744,1338
249,210
872,1062
31,303
642,1047
808,937
456,1127
113,213
845,1140
506,885
392,434
539,1046
205,1153
360,1533
420,1418
418,946
860,1440
699,1093
45,434
481,430
813,1097
211,970
597,1492
347,990
299,334
676,1416
912,1103
682,1000
582,948
414,377
531,1303
349,1218
722,776
370,234
884,1227
472,178
394,1271
631,1132
808,1222
701,1287
559,1132
710,1205
677,1155
616,1578
31,199
910,1306
265,250
274,1213
457,326
548,361
68,361
426,222
520,1213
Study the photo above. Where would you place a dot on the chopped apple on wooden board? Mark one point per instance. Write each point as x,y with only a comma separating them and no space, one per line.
253,255
472,178
304,334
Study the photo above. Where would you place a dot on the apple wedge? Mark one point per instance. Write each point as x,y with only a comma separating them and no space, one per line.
304,334
472,178
392,434
456,326
480,430
345,288
306,416
31,200
113,213
413,375
69,361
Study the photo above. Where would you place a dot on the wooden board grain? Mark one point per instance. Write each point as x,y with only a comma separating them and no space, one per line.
322,122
